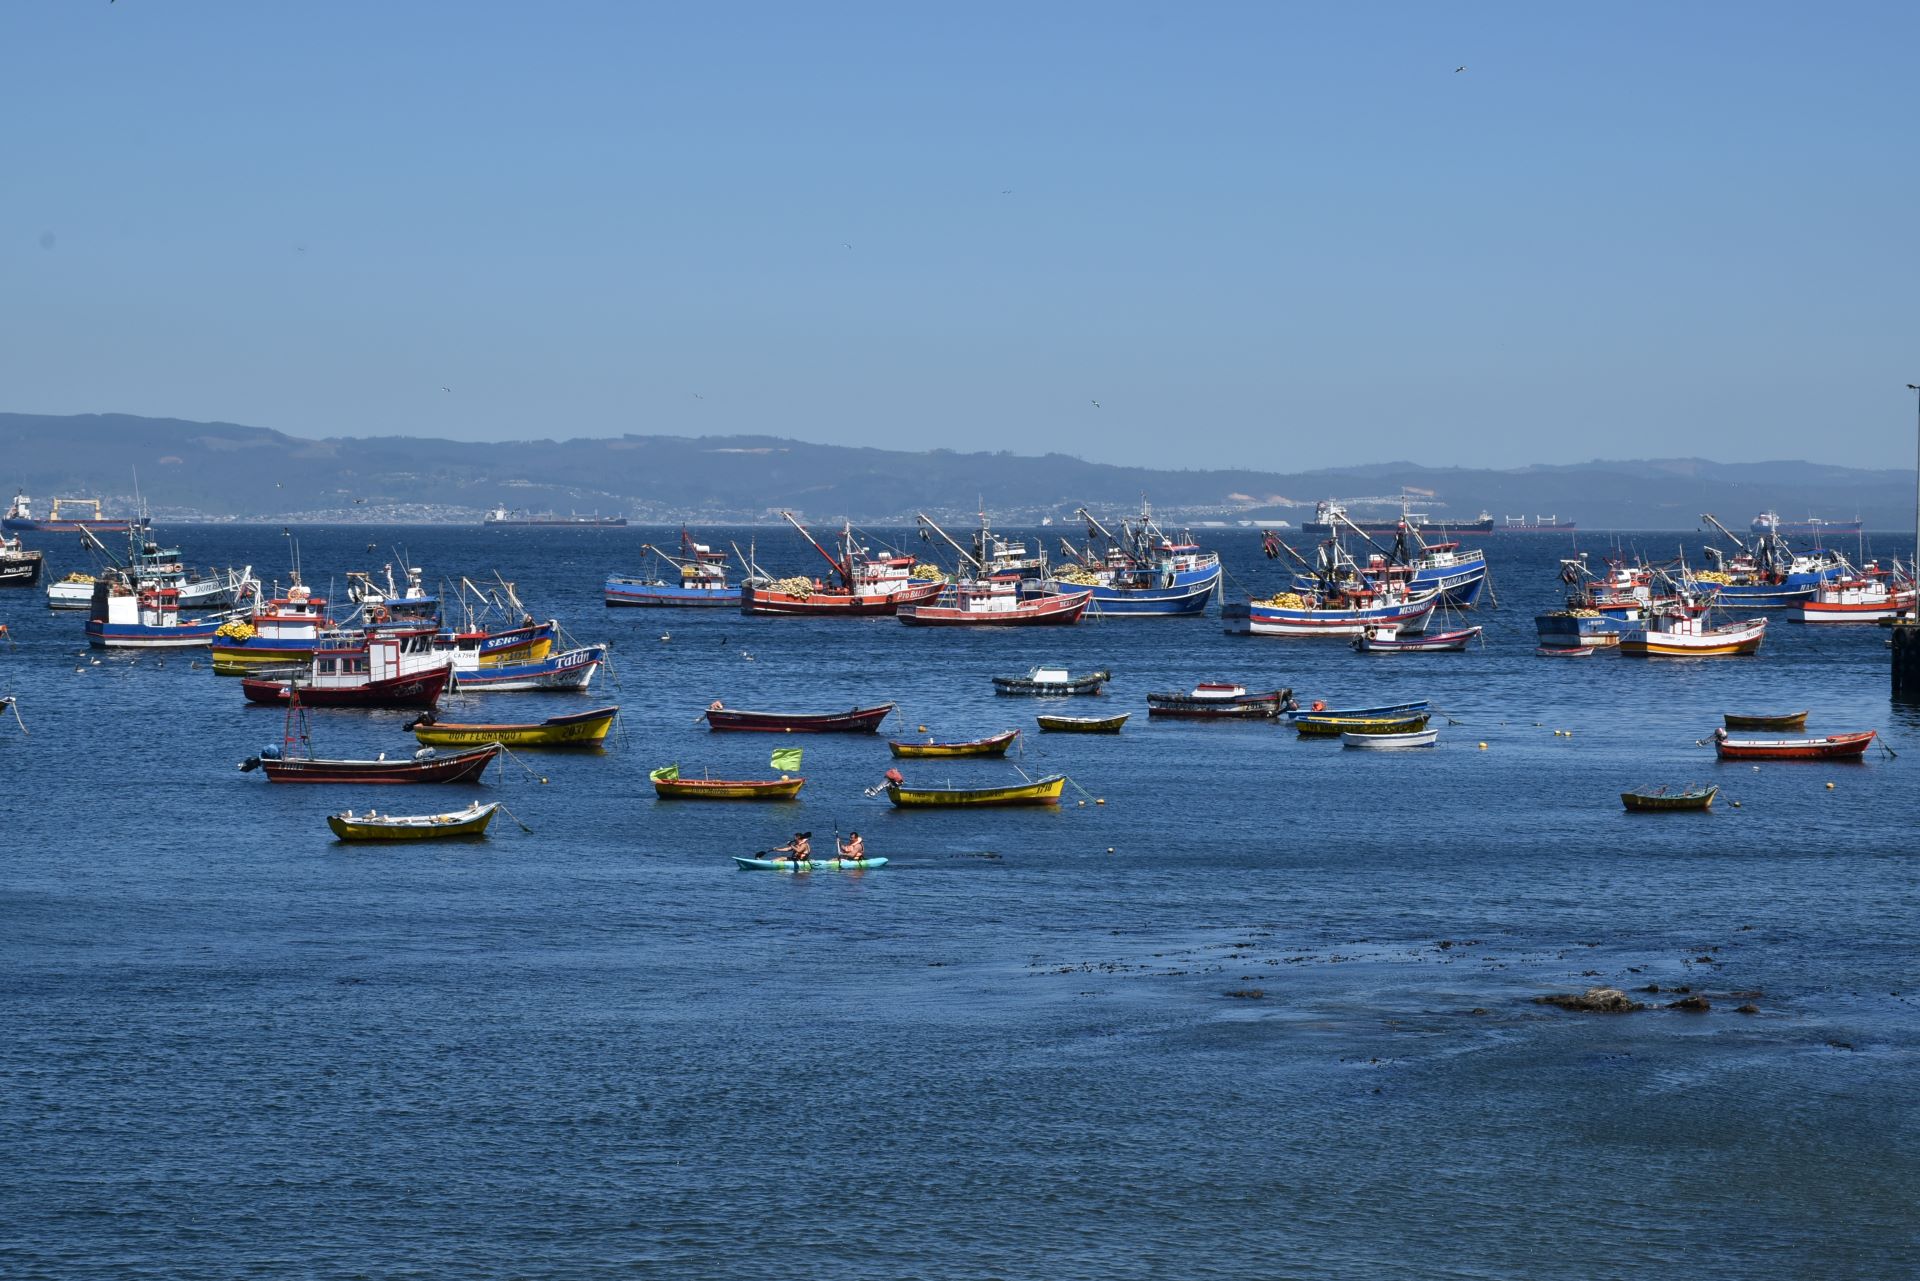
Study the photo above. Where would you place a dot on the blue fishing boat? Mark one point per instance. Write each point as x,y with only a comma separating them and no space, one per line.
128,617
1763,574
572,669
699,578
1459,576
1334,611
1601,608
1140,572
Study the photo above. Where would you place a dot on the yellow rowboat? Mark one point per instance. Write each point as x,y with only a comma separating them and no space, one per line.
1045,791
727,789
994,746
1335,726
577,729
1083,724
374,826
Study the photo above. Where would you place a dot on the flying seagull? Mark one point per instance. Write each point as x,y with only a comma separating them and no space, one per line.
1458,70
446,389
1096,404
844,245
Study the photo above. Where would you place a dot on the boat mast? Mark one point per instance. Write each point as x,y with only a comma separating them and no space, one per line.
927,522
844,569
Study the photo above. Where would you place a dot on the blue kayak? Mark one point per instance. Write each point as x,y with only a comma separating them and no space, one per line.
810,865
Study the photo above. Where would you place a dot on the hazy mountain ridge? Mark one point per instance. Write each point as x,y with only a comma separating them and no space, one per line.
229,470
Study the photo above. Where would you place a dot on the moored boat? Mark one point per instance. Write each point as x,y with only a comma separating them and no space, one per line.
1342,612
283,631
1386,711
385,669
1042,791
1659,800
699,579
1141,571
1321,725
1388,641
1776,721
1050,681
1832,747
1566,651
1083,724
571,669
578,729
867,586
1219,700
996,603
424,766
858,720
375,826
1681,630
995,745
126,617
1865,599
726,789
19,567
1390,742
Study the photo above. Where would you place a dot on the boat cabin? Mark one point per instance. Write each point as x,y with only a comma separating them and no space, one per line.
381,656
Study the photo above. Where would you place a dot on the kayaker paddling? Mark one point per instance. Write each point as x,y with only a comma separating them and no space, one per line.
853,848
797,850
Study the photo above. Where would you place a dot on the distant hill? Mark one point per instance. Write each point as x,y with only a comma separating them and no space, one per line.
228,471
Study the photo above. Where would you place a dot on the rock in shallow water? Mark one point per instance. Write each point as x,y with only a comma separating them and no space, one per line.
1595,1000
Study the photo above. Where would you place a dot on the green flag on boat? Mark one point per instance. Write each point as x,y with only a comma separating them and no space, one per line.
666,773
786,759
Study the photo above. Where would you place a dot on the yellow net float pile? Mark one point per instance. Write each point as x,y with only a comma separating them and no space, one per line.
795,586
929,572
1718,577
1078,577
235,629
1584,613
78,578
1288,600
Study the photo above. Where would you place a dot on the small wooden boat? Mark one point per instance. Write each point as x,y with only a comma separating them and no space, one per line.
424,766
1043,791
1567,651
750,864
859,720
1387,711
1782,721
996,603
997,745
1657,801
1384,641
1083,724
1217,700
1323,726
1390,742
1047,682
1833,747
373,826
727,789
580,729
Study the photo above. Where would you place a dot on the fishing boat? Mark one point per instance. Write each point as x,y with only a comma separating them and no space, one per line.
1051,681
375,826
571,669
293,761
1857,599
1333,611
148,564
19,567
1390,742
1381,640
284,631
726,789
1083,724
858,720
1141,571
1042,791
1219,700
384,669
1831,748
748,863
1763,574
1660,800
1321,725
996,745
699,579
996,603
1774,721
1601,607
126,617
1681,630
20,518
1440,566
392,603
865,585
577,729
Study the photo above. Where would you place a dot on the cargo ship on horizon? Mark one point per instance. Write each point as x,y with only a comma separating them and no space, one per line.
1331,515
20,517
501,516
1811,527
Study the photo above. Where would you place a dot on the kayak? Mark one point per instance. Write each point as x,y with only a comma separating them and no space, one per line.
811,865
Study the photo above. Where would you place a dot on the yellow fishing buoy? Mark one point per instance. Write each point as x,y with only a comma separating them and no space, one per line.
1483,747
1829,787
1101,800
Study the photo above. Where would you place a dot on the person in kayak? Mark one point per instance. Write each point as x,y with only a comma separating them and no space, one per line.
853,847
799,849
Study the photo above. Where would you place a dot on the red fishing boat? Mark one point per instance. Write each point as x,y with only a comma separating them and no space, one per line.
996,602
294,762
383,669
859,720
866,584
1834,747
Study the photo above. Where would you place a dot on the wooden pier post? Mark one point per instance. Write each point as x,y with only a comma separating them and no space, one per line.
1906,662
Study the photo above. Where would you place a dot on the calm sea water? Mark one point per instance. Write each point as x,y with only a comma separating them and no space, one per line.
232,1047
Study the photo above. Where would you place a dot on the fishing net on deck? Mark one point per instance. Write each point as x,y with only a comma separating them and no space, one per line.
929,572
1288,600
795,586
1077,577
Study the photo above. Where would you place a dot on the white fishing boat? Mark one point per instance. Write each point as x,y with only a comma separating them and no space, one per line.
1390,742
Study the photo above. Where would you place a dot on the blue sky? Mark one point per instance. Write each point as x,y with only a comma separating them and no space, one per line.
1267,235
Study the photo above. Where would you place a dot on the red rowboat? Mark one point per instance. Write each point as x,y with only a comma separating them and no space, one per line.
1832,747
860,720
419,690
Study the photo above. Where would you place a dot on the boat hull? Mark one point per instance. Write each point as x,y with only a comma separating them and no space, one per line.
669,595
860,720
22,569
1278,620
1834,747
1045,791
1668,802
747,864
1266,705
1186,596
997,745
1430,643
1390,742
461,767
422,689
569,671
1723,642
469,822
1089,684
1340,726
103,635
1563,630
582,729
835,604
1083,724
727,789
1781,721
1043,611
